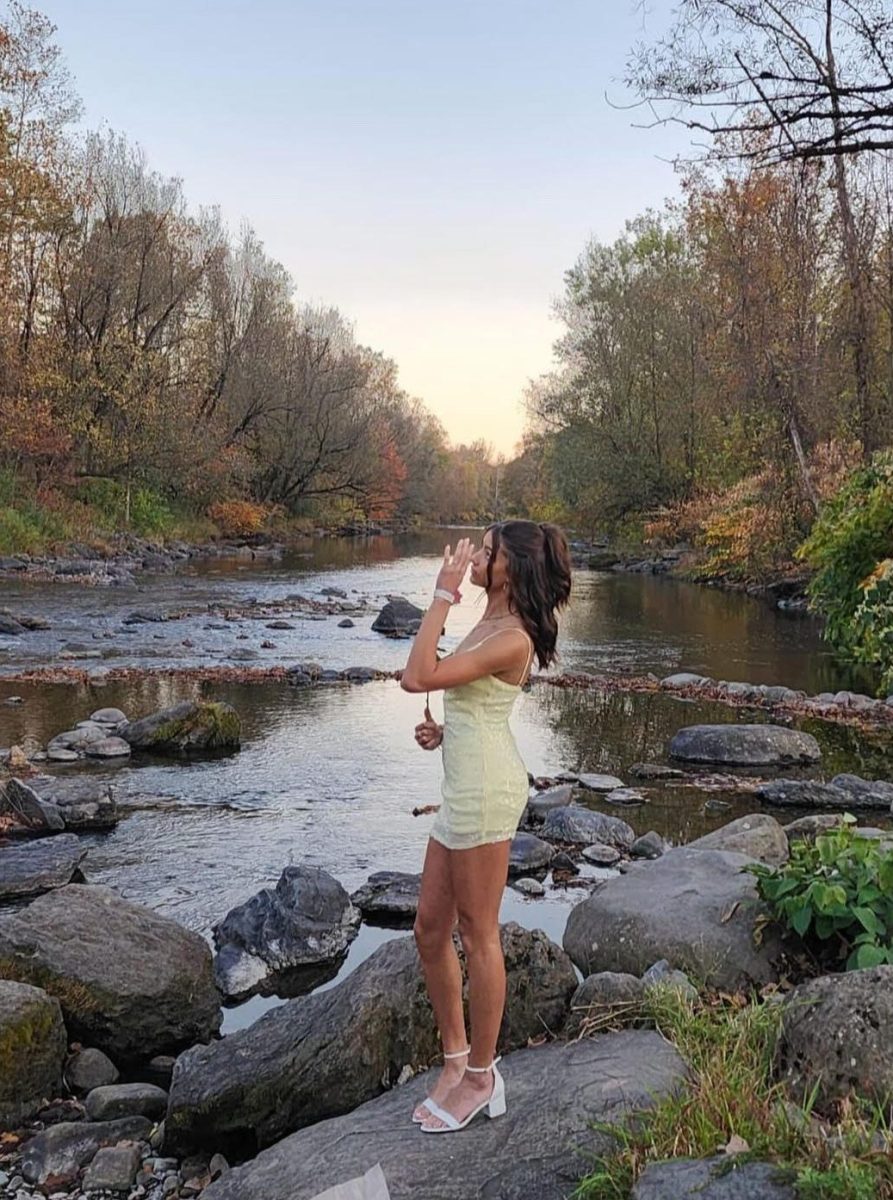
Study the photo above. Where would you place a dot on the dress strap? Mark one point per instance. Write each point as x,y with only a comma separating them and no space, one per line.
498,633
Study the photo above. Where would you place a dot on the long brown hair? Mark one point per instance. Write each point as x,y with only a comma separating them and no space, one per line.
539,578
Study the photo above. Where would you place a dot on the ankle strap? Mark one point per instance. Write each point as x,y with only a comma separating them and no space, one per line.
483,1070
458,1053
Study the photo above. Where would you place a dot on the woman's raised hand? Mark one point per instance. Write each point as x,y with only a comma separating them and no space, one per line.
454,566
428,733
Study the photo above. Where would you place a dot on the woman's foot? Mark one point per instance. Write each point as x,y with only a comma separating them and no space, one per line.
451,1074
473,1090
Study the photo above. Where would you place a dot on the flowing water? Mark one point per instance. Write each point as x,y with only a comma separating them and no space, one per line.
330,775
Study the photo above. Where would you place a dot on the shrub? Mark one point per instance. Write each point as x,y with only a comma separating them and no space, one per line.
238,518
836,894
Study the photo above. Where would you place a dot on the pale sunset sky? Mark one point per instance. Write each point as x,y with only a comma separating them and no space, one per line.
430,167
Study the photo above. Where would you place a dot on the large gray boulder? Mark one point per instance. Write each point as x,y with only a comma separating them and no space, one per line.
321,1055
543,802
130,982
29,868
306,919
398,618
837,1037
695,908
85,803
190,725
758,835
865,793
744,745
716,1178
538,1150
32,1050
583,827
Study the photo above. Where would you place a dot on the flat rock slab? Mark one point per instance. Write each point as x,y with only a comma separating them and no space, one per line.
537,1151
34,867
388,896
60,1151
323,1055
130,982
804,793
744,745
694,908
529,853
543,802
21,802
715,1178
865,793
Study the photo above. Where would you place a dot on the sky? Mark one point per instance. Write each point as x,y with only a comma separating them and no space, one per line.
430,167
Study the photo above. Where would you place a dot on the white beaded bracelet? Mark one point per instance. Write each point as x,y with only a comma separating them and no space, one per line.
443,594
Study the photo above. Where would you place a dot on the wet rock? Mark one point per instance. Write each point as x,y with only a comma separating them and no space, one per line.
279,625
626,797
113,1101
837,1038
32,1048
865,793
88,1069
108,716
563,862
9,626
537,1151
347,623
191,725
113,1169
388,895
398,618
714,1178
758,835
529,887
243,654
683,679
34,867
744,745
61,1151
529,853
324,1054
307,919
695,908
802,793
582,826
649,845
655,771
608,997
543,802
359,674
59,754
130,982
83,803
599,783
110,747
601,856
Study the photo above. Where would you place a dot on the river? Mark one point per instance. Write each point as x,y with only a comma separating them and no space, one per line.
329,775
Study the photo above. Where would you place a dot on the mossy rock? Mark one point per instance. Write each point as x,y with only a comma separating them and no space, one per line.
189,726
33,1044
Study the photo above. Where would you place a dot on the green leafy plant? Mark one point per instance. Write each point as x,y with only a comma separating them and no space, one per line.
837,895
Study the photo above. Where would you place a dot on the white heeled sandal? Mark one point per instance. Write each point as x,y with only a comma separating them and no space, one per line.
416,1119
494,1105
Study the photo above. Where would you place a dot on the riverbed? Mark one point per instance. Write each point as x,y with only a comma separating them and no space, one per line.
330,775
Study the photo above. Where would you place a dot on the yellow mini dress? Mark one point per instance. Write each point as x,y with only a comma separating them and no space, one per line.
485,785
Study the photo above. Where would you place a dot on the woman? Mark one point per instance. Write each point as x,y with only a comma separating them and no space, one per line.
525,569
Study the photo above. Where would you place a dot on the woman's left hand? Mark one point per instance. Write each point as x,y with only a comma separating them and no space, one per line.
454,566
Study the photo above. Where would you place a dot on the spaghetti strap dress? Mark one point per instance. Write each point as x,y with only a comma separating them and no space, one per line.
485,786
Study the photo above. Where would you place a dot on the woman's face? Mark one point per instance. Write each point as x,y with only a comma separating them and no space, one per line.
480,560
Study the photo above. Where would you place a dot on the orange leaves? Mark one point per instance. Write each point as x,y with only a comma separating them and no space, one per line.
238,518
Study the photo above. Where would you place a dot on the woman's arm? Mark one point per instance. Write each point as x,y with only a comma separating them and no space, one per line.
506,652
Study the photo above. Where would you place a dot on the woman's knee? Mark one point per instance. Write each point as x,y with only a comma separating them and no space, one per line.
432,933
478,936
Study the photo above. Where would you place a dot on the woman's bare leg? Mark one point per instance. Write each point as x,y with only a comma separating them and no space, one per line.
434,924
478,880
